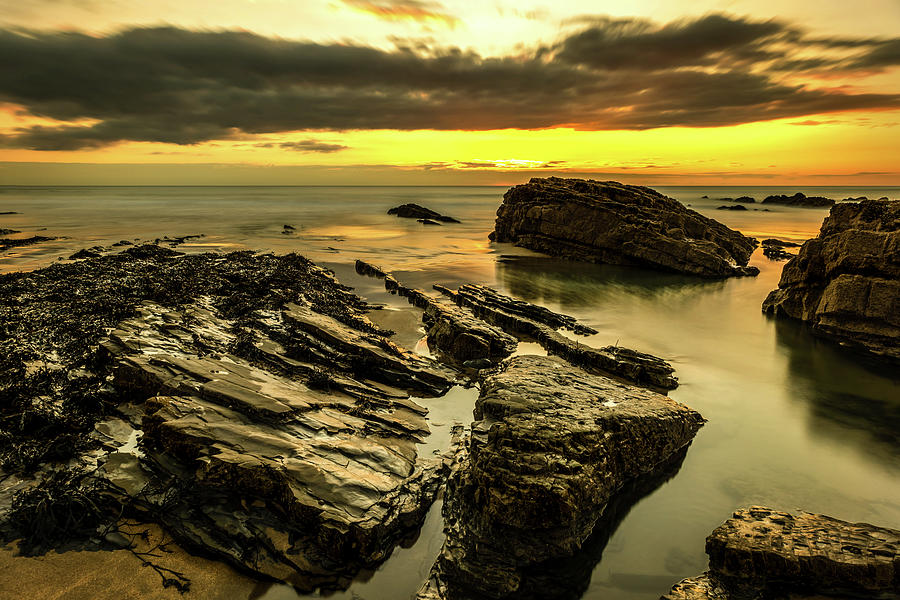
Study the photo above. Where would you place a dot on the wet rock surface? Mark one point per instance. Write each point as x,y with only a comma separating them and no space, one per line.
242,401
7,243
550,449
609,222
422,214
763,553
845,283
799,199
451,330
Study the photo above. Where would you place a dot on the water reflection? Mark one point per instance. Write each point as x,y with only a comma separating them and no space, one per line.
849,398
574,284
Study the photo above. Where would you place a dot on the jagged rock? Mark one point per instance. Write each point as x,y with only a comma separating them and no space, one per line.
745,200
414,211
454,331
845,283
799,199
7,243
775,249
242,401
732,207
764,553
528,321
93,252
550,448
609,222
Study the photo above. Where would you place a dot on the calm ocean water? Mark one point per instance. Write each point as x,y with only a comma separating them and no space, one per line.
794,422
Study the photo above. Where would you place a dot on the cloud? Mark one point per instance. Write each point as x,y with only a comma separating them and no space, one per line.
404,10
305,146
166,84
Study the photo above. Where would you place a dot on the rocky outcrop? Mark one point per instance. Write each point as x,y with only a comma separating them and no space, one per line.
529,322
422,214
762,553
845,283
452,330
775,249
244,402
732,207
609,222
551,447
799,199
7,243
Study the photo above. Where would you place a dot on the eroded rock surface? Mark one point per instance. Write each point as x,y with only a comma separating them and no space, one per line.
452,330
530,322
845,283
609,222
550,448
244,402
763,553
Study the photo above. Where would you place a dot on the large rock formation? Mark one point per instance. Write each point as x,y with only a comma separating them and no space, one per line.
420,213
845,283
244,402
550,448
761,553
609,222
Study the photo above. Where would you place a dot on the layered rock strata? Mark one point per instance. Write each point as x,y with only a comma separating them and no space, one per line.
845,283
763,553
451,330
550,448
613,223
244,402
532,323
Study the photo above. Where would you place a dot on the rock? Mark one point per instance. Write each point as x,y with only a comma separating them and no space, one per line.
414,211
799,199
779,243
531,322
8,231
452,330
845,283
733,207
745,200
609,222
551,447
764,553
93,252
857,199
7,243
121,243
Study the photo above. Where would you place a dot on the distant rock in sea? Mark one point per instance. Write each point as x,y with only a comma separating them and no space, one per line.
420,213
732,207
614,223
745,200
799,199
845,283
857,199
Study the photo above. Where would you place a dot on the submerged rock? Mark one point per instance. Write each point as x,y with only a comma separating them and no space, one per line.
609,222
414,211
762,553
799,199
845,283
7,243
551,447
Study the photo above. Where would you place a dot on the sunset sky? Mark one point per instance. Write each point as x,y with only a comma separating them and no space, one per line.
755,92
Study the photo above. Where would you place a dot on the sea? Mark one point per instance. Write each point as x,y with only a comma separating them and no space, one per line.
794,422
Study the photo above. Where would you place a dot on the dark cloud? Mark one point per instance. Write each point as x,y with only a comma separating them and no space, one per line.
305,146
172,85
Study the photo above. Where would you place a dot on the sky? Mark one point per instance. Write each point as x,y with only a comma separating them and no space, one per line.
422,92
